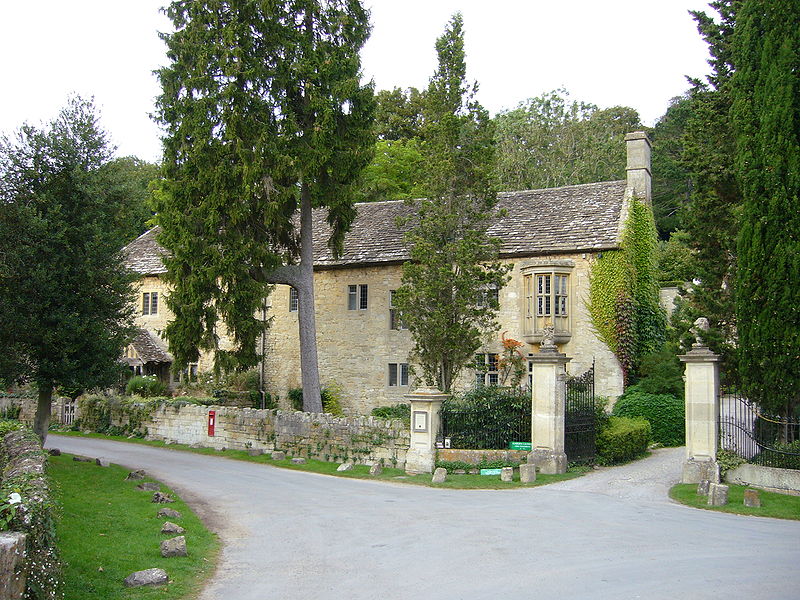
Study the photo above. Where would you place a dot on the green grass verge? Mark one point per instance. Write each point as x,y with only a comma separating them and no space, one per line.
467,482
774,505
108,530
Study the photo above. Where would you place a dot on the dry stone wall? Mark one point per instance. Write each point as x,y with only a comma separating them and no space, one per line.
362,440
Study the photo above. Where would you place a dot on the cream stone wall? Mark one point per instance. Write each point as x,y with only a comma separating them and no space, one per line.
356,346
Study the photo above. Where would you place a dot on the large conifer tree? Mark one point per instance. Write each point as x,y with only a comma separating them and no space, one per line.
766,118
453,261
265,118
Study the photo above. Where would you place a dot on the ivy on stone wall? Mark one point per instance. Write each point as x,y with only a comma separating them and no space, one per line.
623,292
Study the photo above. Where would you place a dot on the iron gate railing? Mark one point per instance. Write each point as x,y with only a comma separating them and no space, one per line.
478,426
580,419
757,437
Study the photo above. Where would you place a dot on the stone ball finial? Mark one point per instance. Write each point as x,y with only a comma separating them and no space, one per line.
700,328
548,343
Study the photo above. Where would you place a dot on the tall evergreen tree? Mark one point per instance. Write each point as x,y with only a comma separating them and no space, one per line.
765,96
266,119
444,298
65,308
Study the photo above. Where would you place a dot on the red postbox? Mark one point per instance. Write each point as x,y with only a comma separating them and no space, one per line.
212,418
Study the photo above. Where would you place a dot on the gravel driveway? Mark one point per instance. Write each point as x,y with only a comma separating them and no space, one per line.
293,535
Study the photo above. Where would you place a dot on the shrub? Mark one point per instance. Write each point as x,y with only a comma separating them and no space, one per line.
6,426
146,386
622,439
665,413
395,411
487,417
661,373
11,412
243,381
295,396
331,399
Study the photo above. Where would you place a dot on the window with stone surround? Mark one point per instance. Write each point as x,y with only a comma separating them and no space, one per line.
398,374
293,300
486,372
150,303
547,299
357,297
395,318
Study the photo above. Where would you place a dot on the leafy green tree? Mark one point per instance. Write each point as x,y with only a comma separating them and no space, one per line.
395,173
65,307
266,119
133,179
399,114
444,298
550,141
765,89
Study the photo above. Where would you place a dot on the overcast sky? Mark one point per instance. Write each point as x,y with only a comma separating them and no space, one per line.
612,52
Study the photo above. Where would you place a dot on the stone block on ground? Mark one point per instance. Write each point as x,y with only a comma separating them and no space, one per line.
174,547
439,475
12,557
55,452
102,462
255,451
278,455
169,513
159,498
147,577
376,469
342,467
474,471
149,486
717,494
507,474
752,499
82,459
702,487
135,475
169,527
527,473
298,461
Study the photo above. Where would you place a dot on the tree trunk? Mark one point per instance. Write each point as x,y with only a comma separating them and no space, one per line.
309,367
42,419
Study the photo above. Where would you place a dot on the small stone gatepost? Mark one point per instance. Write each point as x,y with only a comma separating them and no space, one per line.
425,406
702,409
548,398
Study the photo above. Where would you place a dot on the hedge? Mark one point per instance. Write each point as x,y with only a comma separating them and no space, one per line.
623,439
666,415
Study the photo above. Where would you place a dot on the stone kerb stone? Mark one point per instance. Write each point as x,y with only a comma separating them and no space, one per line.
717,494
752,499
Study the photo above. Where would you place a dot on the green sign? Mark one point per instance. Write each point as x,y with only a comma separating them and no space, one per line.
490,471
519,445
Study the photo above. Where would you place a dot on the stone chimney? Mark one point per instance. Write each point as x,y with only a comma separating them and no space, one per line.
638,169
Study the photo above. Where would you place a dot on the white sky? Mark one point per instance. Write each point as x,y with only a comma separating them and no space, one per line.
609,52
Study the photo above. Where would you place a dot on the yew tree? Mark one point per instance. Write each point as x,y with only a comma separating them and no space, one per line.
65,311
446,299
265,119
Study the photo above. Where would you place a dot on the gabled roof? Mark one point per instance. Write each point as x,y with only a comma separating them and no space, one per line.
572,218
150,347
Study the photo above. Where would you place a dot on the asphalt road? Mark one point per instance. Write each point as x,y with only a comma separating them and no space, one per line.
291,535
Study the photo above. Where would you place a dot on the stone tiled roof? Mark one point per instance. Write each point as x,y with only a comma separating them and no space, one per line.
550,221
143,255
150,347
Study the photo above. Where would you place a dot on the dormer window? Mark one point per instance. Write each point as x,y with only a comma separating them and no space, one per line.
547,299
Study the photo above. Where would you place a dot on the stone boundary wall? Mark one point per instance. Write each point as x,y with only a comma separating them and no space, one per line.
361,440
476,457
780,480
28,407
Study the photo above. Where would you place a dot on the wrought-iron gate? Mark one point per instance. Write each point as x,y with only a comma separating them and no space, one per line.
580,419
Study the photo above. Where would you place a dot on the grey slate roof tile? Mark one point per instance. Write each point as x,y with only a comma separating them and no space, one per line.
150,347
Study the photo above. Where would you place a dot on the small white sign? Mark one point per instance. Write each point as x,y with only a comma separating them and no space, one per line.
420,421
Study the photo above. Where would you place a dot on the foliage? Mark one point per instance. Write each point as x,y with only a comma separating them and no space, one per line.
765,115
98,413
622,439
399,114
551,141
468,413
269,118
130,186
113,526
295,396
395,411
331,399
11,412
395,173
661,373
64,295
623,293
676,261
146,386
728,461
27,505
666,414
511,363
6,426
453,260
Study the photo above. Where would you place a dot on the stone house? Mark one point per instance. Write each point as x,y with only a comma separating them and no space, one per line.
550,236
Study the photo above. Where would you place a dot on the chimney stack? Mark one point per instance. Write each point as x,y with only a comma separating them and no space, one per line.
638,169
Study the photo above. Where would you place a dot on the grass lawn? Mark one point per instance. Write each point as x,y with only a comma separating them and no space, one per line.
777,506
108,530
490,482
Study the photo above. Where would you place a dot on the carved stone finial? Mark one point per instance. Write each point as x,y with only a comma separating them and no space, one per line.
548,338
698,331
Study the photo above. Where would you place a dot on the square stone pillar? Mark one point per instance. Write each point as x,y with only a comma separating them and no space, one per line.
425,406
548,397
702,412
